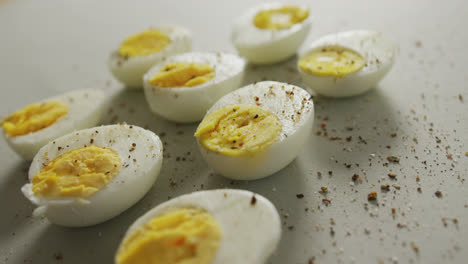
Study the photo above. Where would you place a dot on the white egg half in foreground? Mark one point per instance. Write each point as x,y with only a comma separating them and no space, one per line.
257,130
33,126
272,32
89,176
185,86
208,227
347,63
139,52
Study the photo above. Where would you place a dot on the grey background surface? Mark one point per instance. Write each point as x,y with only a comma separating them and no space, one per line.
51,46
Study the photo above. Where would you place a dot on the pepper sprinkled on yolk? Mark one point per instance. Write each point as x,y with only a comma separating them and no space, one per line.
183,74
239,130
34,117
333,61
281,18
186,235
77,173
144,43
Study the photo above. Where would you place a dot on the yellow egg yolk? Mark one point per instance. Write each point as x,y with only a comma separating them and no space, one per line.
144,43
239,130
333,61
77,173
281,18
180,236
34,117
182,74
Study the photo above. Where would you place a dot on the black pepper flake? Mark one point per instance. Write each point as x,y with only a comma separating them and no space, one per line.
256,116
91,141
253,200
438,194
385,187
393,159
372,196
355,177
300,196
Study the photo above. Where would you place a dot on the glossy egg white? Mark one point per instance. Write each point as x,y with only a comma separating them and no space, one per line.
294,108
140,167
249,223
130,71
85,110
265,46
378,51
189,104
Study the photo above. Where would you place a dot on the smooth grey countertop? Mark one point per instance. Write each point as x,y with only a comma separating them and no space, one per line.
51,46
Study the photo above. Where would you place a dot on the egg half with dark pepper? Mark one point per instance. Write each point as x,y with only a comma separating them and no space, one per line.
185,86
347,63
256,130
89,176
207,227
271,32
33,126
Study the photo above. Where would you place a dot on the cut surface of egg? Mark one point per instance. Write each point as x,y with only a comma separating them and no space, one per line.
347,63
33,126
270,33
137,53
208,227
257,130
185,86
89,176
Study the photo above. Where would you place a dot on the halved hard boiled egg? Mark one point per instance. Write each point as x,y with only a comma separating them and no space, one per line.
89,176
272,32
33,126
208,227
347,63
257,130
137,53
185,86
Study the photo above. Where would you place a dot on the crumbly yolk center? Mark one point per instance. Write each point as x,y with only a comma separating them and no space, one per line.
144,43
281,18
77,173
34,117
183,74
334,61
239,130
180,236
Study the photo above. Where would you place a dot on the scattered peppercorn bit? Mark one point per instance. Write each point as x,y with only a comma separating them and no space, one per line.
393,159
372,196
300,196
438,194
253,200
385,187
355,177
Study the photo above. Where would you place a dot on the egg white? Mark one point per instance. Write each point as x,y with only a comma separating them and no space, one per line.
85,110
286,102
130,71
250,231
189,104
265,46
372,46
140,168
